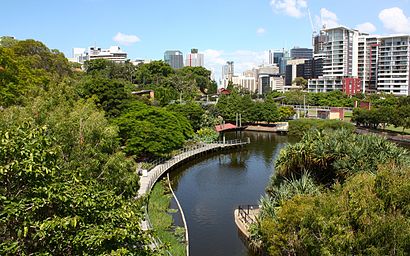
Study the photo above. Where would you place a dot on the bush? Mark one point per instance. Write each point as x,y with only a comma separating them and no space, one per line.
368,215
301,126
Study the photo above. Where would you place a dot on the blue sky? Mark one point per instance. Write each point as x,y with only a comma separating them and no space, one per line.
238,30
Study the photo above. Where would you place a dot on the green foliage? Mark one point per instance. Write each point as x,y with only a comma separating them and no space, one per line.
51,206
388,112
112,95
301,82
286,112
357,218
201,77
153,72
151,131
300,126
251,111
28,67
206,135
270,110
335,155
192,111
158,211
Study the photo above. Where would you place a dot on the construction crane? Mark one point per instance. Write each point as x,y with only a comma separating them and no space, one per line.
311,22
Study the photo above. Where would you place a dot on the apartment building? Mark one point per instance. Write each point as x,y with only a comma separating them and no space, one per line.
194,59
114,53
351,58
393,65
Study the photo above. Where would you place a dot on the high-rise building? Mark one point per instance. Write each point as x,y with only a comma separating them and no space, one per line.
279,57
301,53
194,59
228,71
263,79
393,72
295,68
114,53
340,53
351,58
174,58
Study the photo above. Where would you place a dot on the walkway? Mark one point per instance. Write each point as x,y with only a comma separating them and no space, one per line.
148,181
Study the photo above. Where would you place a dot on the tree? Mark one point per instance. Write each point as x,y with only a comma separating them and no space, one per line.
111,94
365,216
51,206
300,82
270,109
153,72
192,111
286,112
149,131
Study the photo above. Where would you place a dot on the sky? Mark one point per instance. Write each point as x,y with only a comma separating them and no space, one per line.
224,30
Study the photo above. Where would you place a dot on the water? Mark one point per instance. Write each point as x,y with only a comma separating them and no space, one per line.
211,188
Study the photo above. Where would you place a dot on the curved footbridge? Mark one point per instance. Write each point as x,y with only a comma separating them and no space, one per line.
148,179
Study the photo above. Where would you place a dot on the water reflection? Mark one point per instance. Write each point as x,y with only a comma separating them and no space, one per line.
210,188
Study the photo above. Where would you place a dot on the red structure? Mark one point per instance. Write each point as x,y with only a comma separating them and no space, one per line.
225,127
224,91
340,112
351,86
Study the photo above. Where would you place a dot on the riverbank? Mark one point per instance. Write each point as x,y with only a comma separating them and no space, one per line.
159,213
388,135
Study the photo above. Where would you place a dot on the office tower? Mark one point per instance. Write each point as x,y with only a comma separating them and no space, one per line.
194,59
228,71
294,68
174,58
301,53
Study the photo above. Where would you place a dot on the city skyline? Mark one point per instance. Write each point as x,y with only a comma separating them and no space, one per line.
242,31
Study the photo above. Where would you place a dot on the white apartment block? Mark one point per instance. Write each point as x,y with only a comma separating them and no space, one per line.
246,83
382,63
194,59
114,53
368,62
340,51
394,67
262,79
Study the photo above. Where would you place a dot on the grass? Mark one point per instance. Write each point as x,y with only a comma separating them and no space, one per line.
397,129
161,220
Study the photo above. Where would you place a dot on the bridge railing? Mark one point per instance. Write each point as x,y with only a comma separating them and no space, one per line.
191,148
244,212
307,107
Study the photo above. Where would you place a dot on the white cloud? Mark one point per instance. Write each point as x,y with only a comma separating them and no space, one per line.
366,27
260,31
327,18
395,20
125,39
243,60
293,8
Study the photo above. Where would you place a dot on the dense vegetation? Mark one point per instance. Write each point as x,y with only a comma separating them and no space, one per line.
396,113
69,144
333,99
300,126
252,111
336,192
158,211
66,186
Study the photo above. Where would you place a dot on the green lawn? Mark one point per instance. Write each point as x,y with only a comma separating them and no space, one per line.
161,220
397,129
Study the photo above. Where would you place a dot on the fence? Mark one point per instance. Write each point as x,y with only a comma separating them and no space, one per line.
247,213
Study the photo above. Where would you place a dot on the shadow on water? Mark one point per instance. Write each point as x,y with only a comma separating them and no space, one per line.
211,187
